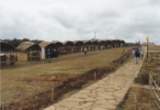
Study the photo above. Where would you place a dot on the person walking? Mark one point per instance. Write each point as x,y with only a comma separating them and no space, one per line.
49,55
137,55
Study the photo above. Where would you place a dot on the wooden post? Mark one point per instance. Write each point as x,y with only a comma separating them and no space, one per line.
147,52
147,39
150,97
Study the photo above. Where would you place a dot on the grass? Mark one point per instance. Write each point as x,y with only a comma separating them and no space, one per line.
138,98
154,48
14,88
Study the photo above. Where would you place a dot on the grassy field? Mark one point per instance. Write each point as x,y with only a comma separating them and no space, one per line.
27,80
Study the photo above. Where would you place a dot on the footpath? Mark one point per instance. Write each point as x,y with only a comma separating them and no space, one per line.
105,94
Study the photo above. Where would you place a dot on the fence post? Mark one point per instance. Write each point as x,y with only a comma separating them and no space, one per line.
147,52
150,90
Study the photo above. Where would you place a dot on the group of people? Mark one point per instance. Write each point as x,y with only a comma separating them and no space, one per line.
51,53
137,54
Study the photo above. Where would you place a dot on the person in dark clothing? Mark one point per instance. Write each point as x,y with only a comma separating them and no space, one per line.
137,56
49,55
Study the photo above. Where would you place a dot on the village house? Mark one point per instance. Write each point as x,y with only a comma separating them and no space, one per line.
7,54
28,51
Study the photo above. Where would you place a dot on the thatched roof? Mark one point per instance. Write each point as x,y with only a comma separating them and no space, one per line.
95,42
78,43
102,42
58,44
68,43
108,42
88,42
45,44
122,41
4,46
25,46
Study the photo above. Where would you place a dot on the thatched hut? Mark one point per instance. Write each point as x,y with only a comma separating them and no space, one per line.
95,43
102,44
5,47
29,51
48,50
68,47
116,43
122,43
89,45
7,54
59,46
79,45
108,44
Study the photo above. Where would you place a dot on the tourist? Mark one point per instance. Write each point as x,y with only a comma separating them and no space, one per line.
137,55
49,55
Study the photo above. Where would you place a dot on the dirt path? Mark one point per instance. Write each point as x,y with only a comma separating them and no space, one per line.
105,94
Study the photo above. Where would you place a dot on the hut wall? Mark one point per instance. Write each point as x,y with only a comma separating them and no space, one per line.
3,60
22,56
95,48
34,55
8,58
61,50
81,49
78,49
92,48
109,46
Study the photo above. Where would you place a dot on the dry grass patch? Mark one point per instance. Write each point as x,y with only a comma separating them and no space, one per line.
137,99
24,81
154,48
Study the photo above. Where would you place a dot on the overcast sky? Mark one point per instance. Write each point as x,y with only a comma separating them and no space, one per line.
130,20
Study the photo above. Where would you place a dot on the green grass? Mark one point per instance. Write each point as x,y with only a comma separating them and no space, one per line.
14,88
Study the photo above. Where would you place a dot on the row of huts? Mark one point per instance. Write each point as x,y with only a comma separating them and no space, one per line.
30,51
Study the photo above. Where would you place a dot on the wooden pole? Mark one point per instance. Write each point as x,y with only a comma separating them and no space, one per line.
147,52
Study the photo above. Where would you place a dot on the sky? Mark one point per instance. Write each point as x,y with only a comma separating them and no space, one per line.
129,20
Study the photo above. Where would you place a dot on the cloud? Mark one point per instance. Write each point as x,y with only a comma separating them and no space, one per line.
80,19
